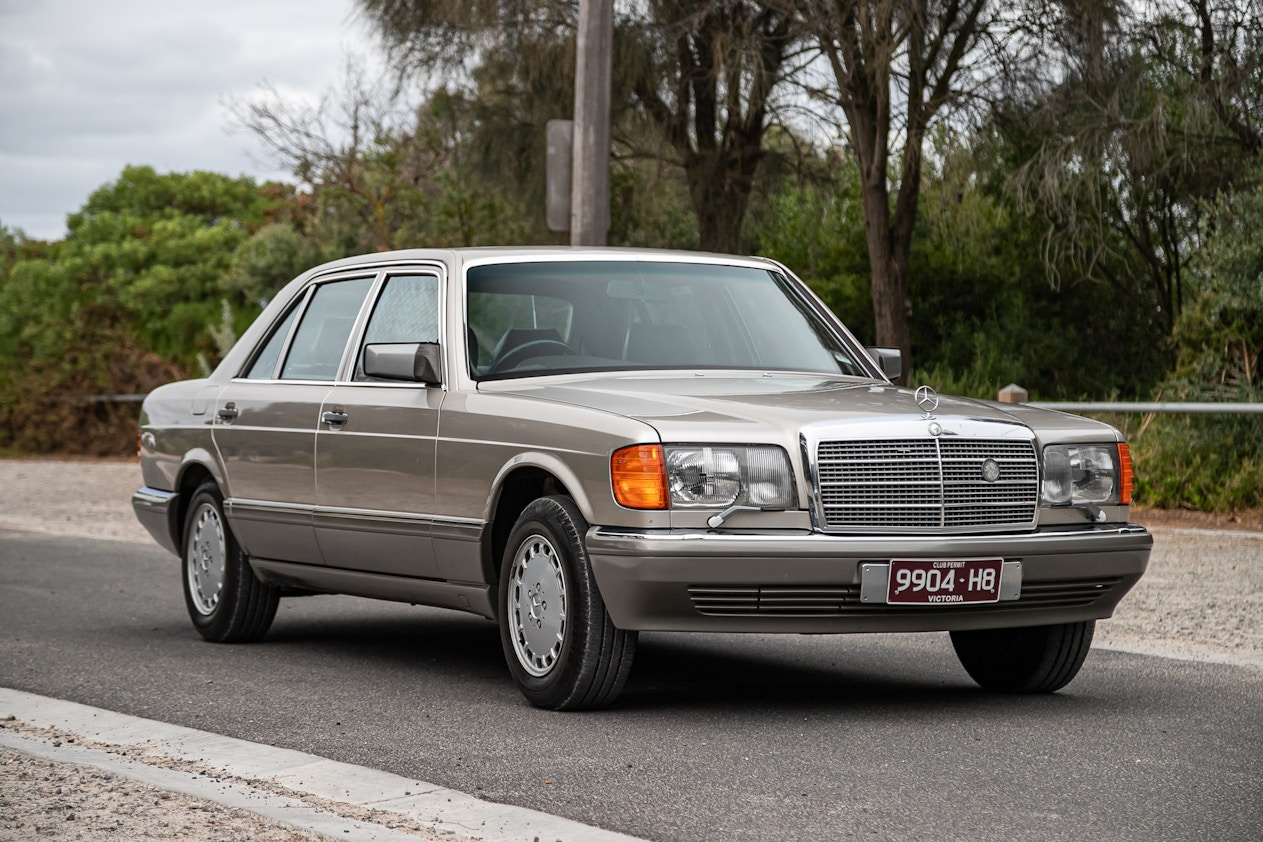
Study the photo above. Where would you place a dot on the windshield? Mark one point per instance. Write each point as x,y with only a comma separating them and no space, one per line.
549,318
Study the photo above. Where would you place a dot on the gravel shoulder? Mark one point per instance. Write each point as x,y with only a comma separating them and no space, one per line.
61,800
1200,600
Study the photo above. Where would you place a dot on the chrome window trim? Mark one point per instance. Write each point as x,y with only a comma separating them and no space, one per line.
346,374
800,288
300,307
791,284
379,274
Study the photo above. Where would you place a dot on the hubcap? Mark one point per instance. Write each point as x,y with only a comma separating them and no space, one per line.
537,605
204,561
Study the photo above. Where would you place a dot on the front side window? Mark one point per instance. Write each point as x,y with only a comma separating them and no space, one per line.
407,311
548,318
321,338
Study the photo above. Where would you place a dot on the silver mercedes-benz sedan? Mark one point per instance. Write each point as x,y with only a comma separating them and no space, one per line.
582,444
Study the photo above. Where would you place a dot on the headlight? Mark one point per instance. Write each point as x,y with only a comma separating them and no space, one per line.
1086,473
724,476
702,476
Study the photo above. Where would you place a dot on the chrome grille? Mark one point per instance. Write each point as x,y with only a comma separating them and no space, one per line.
925,484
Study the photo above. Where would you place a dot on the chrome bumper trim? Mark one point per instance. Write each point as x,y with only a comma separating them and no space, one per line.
800,544
154,509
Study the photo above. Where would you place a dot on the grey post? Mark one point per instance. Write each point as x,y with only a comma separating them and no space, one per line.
590,192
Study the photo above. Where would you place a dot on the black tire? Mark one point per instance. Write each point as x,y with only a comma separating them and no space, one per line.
1037,659
226,602
562,650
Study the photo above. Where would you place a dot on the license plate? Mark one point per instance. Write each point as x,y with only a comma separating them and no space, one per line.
944,581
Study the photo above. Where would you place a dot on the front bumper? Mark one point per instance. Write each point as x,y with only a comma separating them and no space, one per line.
156,510
792,581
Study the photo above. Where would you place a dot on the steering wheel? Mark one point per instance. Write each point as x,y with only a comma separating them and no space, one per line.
523,352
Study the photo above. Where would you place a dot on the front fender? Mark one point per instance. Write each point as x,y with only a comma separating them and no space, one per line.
546,462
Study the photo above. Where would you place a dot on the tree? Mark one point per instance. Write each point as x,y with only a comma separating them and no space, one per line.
1215,462
694,80
124,303
346,149
704,77
1150,115
378,175
896,67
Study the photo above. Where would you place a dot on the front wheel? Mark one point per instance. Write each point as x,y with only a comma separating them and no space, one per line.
226,602
1037,659
562,650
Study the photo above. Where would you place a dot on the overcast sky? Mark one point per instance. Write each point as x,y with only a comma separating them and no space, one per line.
90,86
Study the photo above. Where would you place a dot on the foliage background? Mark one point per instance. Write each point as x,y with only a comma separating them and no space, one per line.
1095,232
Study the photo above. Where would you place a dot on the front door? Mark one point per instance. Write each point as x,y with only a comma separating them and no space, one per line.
375,481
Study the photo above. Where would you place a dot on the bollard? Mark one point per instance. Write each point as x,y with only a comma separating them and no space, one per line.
1013,393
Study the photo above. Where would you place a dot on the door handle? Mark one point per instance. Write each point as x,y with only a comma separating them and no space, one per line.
335,418
229,412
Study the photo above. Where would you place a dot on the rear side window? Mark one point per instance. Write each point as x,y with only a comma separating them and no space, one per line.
321,338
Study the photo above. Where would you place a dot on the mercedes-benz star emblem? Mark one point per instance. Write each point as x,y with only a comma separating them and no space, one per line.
927,399
991,470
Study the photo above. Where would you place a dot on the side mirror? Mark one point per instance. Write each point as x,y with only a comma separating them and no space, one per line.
415,362
889,360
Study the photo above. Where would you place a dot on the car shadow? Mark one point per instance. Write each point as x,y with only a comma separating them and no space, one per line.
859,674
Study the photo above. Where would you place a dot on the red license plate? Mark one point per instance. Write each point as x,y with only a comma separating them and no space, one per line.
953,581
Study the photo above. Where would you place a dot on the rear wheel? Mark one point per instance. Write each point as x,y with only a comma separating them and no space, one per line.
562,650
1038,659
226,602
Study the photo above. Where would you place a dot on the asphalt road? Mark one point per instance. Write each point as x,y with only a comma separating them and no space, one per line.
715,738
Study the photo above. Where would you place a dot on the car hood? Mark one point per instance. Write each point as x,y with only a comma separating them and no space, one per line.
750,406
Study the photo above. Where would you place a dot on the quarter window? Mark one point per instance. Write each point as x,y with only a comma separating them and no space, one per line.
264,365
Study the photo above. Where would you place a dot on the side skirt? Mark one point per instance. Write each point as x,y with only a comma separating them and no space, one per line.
473,598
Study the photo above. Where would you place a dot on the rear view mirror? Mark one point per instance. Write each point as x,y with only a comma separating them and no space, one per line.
889,360
636,290
415,362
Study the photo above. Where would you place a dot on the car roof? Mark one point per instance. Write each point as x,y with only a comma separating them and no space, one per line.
458,257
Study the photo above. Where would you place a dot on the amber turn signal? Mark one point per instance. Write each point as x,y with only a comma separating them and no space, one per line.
639,476
1127,475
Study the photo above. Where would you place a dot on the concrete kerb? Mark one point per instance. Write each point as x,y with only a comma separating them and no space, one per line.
447,812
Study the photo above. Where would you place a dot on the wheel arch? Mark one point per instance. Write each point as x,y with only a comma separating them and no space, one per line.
193,474
523,480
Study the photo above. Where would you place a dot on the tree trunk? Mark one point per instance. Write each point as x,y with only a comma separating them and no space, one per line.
888,262
720,198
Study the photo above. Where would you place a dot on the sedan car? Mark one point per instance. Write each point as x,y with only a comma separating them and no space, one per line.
583,444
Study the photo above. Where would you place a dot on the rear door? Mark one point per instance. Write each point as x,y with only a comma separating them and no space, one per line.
265,422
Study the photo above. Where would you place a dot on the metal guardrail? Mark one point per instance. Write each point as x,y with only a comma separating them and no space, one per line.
1191,407
1015,394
